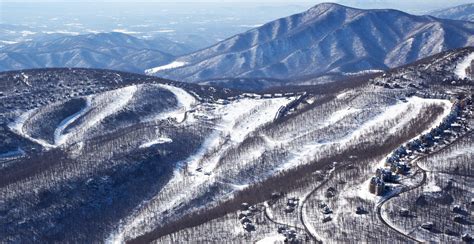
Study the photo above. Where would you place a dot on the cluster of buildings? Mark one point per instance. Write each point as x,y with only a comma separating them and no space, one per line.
326,211
245,216
289,234
398,162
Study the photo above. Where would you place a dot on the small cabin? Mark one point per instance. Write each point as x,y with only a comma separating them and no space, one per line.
327,219
360,210
404,212
427,225
249,226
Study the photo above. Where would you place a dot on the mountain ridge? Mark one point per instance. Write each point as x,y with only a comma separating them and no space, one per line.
103,50
460,12
315,42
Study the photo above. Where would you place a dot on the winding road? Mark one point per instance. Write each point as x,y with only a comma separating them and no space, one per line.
407,189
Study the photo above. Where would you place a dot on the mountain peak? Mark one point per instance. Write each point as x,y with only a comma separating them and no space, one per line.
328,5
323,7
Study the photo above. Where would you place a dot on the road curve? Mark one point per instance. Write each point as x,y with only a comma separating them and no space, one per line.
423,181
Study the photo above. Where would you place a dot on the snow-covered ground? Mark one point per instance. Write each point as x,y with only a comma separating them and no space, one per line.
271,239
18,125
173,65
160,140
431,187
460,69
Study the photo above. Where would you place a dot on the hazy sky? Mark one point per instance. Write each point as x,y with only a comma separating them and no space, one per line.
406,5
204,21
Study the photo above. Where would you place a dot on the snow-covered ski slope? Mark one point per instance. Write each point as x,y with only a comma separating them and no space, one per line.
97,108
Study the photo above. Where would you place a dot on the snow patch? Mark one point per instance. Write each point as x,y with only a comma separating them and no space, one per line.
342,95
431,187
160,140
363,72
460,69
125,31
173,65
276,238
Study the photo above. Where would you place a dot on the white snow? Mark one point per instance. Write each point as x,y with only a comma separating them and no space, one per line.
121,97
342,95
268,210
17,127
340,114
7,42
25,79
276,238
460,69
160,140
173,65
363,72
125,31
431,187
165,31
238,119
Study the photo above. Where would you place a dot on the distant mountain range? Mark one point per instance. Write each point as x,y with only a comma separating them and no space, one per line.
326,39
461,12
105,50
